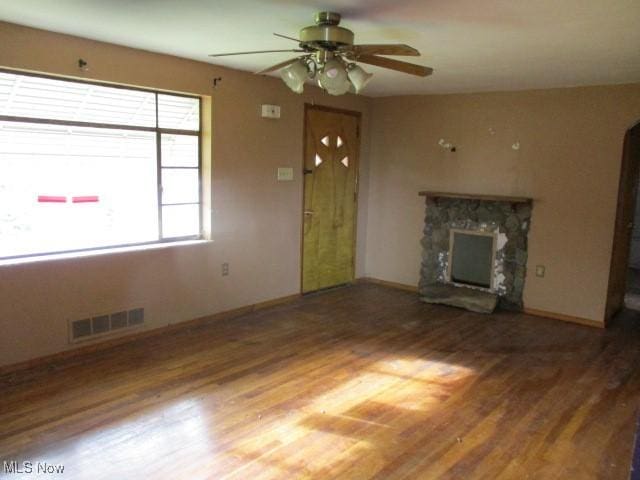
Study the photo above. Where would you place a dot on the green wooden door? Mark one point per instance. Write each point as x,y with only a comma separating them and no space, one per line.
330,186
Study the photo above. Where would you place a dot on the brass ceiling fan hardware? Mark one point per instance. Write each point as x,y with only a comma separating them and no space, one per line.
330,56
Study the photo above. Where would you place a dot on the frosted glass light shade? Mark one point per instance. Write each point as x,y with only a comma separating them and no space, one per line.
334,78
359,78
295,75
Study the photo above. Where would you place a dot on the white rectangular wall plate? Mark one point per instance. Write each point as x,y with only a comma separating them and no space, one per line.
270,111
285,174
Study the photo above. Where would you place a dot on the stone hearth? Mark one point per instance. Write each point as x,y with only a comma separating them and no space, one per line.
507,217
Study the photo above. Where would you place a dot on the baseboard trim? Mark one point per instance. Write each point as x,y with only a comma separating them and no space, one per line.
236,312
121,340
385,283
565,318
529,311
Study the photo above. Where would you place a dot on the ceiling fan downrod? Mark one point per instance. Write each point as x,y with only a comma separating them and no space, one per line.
326,33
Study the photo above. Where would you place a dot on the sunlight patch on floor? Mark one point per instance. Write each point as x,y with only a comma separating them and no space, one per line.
359,418
154,437
349,421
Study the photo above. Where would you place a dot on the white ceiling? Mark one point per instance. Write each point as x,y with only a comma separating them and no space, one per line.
473,45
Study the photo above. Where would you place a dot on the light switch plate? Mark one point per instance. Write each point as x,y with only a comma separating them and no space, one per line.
285,174
540,270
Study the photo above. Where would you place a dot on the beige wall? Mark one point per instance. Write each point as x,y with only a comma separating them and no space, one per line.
569,161
255,219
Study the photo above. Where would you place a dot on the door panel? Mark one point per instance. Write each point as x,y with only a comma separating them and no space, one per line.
330,162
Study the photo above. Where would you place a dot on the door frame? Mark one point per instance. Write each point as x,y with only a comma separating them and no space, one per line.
630,165
358,116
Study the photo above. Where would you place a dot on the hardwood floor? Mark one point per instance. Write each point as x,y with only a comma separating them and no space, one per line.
359,382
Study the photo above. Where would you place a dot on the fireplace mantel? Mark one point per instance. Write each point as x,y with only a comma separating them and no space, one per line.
471,196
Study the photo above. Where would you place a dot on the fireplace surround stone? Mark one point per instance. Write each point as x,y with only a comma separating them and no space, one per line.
508,217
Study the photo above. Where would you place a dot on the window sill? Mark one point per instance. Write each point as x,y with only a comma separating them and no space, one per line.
100,252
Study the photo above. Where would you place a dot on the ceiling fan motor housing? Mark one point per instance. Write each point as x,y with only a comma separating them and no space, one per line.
326,33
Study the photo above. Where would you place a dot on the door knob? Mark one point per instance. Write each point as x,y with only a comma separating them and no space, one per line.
308,212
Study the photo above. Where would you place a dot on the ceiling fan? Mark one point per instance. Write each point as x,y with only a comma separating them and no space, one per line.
329,55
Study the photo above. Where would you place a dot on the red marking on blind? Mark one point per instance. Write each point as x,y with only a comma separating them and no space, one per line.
51,199
86,199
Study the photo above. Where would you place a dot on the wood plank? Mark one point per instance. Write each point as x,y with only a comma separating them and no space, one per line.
386,283
358,382
529,311
473,196
565,318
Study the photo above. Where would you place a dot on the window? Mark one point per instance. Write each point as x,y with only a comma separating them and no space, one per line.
85,166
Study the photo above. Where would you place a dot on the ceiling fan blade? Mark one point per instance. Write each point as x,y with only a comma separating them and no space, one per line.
288,38
278,66
391,64
390,49
251,53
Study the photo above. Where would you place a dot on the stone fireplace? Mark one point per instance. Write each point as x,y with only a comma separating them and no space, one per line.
474,250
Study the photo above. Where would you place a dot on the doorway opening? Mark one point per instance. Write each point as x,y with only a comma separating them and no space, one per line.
632,290
624,275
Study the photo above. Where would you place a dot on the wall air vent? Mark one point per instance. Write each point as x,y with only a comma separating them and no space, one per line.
136,316
103,324
100,324
81,328
119,320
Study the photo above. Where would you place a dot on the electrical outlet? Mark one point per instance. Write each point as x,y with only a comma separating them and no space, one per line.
540,269
225,269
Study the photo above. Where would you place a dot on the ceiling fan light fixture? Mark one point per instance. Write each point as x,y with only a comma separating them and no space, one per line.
358,77
334,78
328,55
295,75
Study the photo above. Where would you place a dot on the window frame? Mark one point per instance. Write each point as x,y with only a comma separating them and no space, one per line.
159,131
